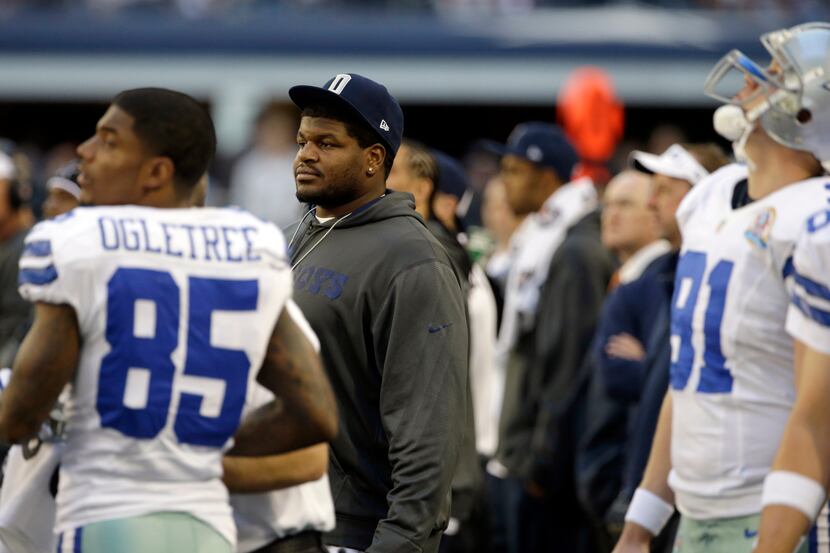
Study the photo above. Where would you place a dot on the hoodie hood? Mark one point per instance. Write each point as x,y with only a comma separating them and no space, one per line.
391,204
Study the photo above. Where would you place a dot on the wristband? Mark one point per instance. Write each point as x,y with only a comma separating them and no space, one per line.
649,511
794,490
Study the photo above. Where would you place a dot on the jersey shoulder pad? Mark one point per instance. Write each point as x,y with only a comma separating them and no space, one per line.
809,316
53,249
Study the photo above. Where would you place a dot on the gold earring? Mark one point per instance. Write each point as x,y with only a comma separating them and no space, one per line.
371,171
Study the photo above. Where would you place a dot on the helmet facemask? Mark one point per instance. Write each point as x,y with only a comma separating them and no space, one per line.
792,100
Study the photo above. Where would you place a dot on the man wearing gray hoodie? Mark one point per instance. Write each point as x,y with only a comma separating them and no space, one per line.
381,294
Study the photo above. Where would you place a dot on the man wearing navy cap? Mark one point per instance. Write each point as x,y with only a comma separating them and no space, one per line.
555,287
451,188
381,294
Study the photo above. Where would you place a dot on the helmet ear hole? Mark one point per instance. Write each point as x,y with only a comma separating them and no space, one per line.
804,116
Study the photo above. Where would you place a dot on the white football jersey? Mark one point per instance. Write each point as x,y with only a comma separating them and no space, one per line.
264,517
27,508
808,318
175,309
732,359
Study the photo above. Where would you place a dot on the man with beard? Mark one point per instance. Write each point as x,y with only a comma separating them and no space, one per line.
381,294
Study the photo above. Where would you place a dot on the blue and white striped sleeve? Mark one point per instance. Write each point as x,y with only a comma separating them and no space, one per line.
39,278
808,278
818,540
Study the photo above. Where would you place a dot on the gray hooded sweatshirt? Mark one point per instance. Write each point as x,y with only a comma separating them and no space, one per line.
381,294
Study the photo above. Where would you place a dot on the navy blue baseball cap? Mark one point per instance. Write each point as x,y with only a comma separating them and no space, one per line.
369,100
545,145
452,179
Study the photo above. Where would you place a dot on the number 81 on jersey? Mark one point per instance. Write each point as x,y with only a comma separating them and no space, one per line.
715,378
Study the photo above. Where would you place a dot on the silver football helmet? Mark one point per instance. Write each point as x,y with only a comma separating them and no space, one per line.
791,99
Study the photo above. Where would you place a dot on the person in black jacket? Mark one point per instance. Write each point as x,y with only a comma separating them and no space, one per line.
569,308
381,294
555,288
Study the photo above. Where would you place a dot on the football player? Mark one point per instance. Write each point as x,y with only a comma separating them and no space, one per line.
162,320
796,488
732,384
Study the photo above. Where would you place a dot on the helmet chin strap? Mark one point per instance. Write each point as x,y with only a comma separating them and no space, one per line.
739,147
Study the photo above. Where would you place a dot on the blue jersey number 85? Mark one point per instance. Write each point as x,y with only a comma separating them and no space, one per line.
150,352
715,378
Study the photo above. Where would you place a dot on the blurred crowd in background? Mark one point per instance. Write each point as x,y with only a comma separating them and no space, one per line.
201,8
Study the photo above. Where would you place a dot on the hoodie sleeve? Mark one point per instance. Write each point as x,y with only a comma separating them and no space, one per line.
421,344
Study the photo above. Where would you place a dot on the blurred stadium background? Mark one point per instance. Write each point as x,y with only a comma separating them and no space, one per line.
462,69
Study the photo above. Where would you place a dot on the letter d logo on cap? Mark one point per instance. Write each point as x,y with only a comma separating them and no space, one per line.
339,83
